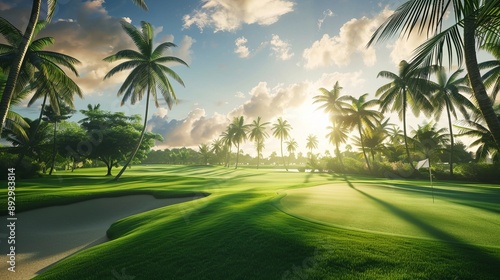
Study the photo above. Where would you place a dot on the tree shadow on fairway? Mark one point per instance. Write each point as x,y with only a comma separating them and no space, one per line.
464,249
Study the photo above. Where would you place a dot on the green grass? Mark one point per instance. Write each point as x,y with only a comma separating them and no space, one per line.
248,229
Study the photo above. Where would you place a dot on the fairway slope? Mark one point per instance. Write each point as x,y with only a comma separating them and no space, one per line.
411,212
47,235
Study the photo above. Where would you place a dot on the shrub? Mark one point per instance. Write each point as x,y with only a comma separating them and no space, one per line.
478,172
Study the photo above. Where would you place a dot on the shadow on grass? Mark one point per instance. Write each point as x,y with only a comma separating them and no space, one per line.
461,247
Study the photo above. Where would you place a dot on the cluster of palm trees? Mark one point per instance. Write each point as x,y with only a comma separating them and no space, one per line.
31,69
237,132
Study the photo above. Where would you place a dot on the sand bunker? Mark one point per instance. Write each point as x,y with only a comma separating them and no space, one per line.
46,235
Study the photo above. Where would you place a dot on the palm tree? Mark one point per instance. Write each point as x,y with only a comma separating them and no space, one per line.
448,97
204,152
312,143
239,132
475,24
281,130
54,117
338,134
430,140
22,49
485,142
358,115
149,75
227,140
258,134
14,122
217,149
291,147
409,87
331,101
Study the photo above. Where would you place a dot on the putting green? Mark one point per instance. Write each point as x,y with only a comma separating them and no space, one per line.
457,215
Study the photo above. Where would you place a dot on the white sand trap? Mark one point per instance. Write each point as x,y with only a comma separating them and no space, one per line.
47,235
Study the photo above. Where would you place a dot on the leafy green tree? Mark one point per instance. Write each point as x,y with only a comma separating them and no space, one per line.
281,129
69,138
408,88
112,136
475,24
148,76
358,115
258,134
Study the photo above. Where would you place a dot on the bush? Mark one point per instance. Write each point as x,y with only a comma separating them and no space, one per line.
26,169
480,172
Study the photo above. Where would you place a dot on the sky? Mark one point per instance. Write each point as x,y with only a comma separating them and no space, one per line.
248,58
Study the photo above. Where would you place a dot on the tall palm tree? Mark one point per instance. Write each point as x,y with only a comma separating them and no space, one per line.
291,147
337,135
409,87
149,74
331,101
22,48
239,132
227,140
312,143
358,115
281,129
14,122
475,24
54,117
448,97
217,148
258,134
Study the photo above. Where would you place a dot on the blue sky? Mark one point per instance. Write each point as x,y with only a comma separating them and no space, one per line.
246,57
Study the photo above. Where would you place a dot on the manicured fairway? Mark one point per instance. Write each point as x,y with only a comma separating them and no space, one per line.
246,227
467,214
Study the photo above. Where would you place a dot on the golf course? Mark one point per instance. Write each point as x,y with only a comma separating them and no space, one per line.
260,224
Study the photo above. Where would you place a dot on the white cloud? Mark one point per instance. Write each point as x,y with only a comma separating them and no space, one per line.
241,50
192,131
326,13
281,49
240,94
403,47
351,40
229,15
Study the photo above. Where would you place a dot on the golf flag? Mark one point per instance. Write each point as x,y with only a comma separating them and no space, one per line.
423,163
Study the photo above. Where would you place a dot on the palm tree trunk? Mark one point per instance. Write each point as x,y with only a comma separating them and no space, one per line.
363,148
16,66
282,157
482,98
339,156
452,139
237,155
404,132
54,150
140,138
30,141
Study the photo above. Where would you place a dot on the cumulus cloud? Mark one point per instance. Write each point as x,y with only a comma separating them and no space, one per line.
192,131
229,15
351,40
281,49
90,35
269,103
241,50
